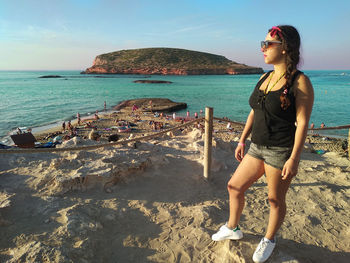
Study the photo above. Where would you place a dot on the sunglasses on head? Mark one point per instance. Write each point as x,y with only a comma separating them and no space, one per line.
268,43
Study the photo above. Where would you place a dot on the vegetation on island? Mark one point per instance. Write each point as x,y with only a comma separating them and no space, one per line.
167,61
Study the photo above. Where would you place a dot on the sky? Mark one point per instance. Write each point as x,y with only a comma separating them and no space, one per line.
69,34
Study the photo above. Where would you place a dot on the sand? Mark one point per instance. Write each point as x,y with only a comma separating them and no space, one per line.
149,202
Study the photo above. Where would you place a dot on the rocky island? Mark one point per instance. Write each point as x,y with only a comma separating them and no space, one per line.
153,81
167,61
158,104
50,76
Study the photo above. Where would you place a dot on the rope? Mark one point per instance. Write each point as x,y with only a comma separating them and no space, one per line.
314,129
143,138
228,120
93,147
331,128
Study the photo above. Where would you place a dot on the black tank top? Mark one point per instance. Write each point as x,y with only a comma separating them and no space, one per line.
273,126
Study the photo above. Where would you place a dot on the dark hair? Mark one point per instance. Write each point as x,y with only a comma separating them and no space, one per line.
290,39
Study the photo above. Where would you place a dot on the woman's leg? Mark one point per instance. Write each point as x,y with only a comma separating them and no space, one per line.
277,198
248,171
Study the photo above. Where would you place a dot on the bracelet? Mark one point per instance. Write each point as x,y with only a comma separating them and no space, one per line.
241,144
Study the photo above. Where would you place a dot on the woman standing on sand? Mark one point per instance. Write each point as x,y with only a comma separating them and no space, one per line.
281,98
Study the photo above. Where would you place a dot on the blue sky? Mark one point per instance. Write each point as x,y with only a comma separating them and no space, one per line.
68,34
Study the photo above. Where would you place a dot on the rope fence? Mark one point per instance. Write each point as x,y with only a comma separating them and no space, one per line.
207,142
228,120
331,128
94,147
342,127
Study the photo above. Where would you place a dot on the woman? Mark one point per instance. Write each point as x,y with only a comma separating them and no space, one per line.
281,107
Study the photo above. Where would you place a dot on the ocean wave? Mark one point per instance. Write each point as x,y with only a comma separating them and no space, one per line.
340,74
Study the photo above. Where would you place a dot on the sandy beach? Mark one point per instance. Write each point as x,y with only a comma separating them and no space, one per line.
148,201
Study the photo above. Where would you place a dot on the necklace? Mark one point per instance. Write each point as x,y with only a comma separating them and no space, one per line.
267,89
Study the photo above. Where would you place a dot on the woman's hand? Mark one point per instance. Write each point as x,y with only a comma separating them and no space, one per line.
290,169
239,152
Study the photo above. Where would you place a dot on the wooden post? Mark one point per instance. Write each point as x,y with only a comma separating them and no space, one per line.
208,141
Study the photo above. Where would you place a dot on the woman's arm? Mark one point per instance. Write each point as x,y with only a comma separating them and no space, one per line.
304,95
239,152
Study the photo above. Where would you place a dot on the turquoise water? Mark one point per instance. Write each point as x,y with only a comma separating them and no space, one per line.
27,100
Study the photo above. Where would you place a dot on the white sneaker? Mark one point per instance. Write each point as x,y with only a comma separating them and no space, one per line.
264,250
227,233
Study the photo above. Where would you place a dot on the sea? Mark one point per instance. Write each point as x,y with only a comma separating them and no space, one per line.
30,101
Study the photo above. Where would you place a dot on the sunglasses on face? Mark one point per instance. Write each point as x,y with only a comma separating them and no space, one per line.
269,43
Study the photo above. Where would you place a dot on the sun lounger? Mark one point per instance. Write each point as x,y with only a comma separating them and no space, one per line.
24,140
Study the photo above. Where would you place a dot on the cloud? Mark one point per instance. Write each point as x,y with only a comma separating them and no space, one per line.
191,28
40,33
28,33
194,30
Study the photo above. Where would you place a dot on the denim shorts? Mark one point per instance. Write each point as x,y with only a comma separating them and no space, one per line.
274,156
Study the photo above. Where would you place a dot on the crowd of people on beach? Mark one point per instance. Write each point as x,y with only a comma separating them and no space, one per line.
70,130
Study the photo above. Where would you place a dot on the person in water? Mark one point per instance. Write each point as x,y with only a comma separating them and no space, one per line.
281,98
